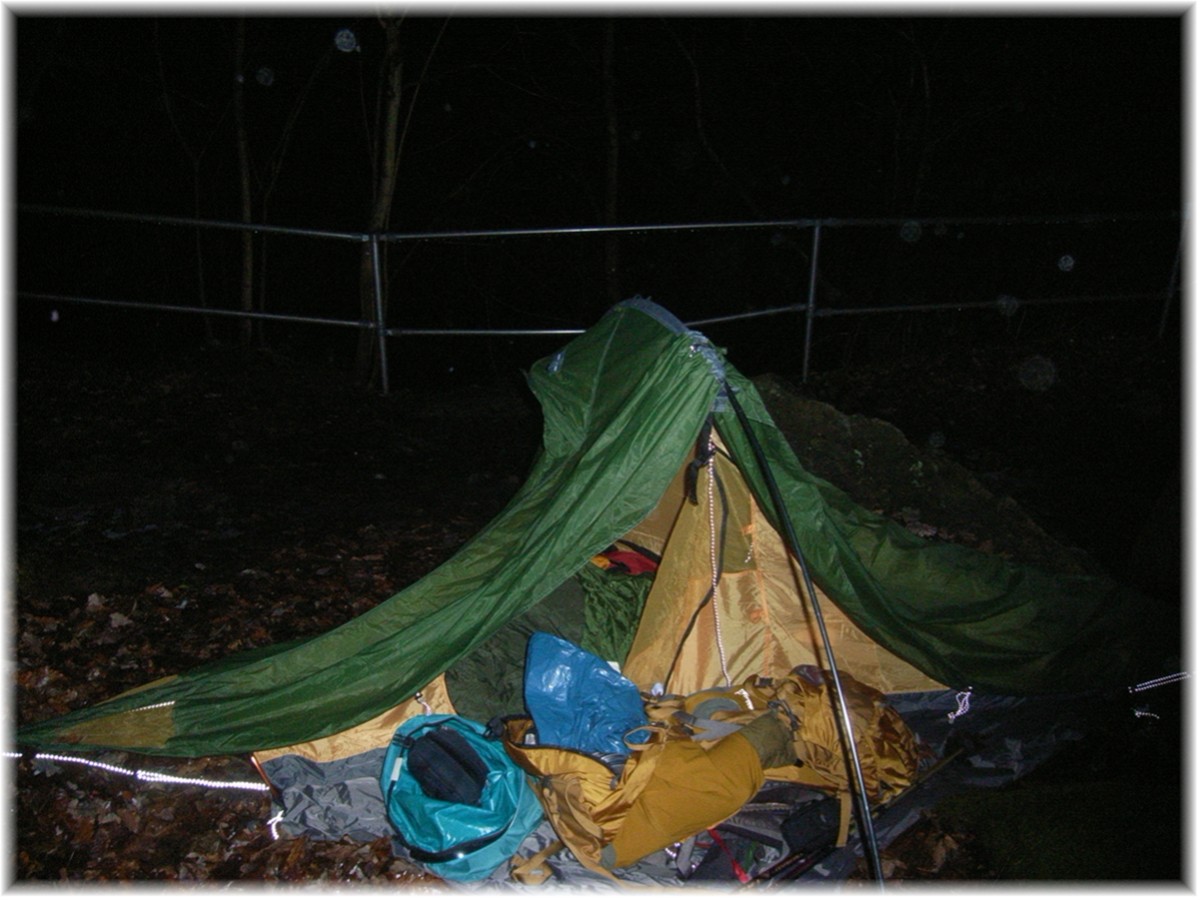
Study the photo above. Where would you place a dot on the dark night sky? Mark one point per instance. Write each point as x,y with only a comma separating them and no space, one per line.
719,118
797,116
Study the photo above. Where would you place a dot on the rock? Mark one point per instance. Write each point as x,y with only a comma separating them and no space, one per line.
873,462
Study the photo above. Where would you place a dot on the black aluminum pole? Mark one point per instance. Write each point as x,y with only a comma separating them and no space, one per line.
865,823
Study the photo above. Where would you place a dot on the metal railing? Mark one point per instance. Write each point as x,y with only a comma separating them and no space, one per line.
807,306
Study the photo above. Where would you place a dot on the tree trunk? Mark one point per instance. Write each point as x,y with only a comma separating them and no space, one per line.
271,178
243,150
194,158
386,161
201,289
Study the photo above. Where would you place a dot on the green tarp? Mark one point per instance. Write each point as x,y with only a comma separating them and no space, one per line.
623,405
966,618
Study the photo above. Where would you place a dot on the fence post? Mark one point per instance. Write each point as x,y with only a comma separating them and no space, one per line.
1174,280
811,310
380,324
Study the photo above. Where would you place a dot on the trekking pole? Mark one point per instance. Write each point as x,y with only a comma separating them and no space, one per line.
792,866
866,826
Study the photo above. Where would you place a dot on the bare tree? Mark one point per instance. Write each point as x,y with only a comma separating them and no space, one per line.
612,147
917,109
195,153
392,126
702,132
275,166
246,293
256,183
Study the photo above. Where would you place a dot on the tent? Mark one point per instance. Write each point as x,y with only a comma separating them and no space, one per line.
653,438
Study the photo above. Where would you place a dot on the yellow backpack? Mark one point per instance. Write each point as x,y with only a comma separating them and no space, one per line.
611,821
699,768
888,751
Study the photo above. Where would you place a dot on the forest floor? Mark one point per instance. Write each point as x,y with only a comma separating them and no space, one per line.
174,511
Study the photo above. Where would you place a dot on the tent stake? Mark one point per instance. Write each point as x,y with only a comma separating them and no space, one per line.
276,793
866,824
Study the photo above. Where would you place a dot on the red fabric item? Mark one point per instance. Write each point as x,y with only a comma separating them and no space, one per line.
632,561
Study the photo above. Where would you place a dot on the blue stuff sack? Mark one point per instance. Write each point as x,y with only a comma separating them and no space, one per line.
459,804
579,701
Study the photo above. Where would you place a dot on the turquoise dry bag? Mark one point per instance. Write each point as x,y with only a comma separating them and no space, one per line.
459,805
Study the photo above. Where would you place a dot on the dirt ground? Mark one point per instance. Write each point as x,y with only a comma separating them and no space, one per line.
174,510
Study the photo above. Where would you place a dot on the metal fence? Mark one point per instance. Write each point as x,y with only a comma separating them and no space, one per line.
547,282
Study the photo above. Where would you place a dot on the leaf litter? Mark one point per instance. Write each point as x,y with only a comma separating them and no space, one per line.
254,501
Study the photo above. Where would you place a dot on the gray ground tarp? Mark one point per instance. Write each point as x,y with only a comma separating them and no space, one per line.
1002,739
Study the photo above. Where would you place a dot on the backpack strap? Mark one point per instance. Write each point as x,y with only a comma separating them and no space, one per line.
703,729
534,871
844,818
455,852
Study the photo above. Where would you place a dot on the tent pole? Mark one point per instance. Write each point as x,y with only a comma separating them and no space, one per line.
865,822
